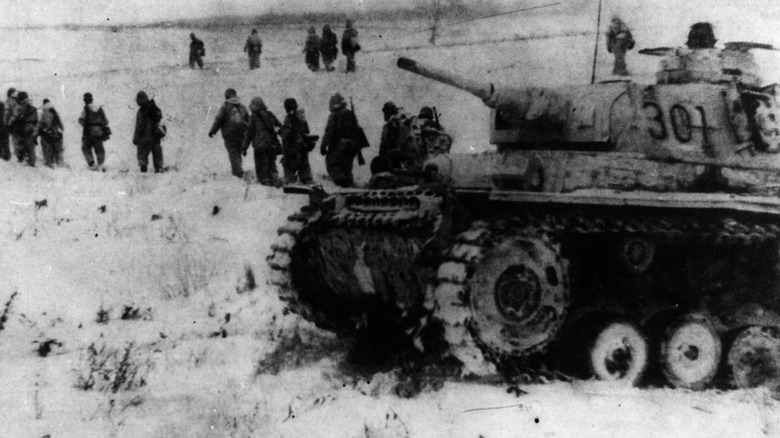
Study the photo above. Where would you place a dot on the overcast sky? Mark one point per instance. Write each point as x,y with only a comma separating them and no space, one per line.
58,12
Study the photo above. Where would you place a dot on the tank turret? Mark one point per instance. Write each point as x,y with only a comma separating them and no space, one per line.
733,63
693,120
701,62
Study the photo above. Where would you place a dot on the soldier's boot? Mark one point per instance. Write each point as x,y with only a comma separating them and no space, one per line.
143,169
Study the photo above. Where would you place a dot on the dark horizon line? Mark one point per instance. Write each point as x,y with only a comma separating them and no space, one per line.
268,18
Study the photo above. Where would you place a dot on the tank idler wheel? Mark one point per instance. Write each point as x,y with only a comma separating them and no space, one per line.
501,294
690,352
637,254
619,353
754,357
519,295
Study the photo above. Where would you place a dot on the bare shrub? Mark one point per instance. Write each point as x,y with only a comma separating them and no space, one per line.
247,282
188,270
110,369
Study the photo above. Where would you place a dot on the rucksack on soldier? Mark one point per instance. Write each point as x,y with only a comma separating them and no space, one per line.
236,123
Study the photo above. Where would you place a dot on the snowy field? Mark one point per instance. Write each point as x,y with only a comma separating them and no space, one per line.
135,305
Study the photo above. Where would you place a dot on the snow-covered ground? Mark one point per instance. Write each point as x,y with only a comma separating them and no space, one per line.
135,305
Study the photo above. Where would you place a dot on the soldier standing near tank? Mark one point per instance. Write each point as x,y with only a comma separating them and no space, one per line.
329,47
254,47
394,143
23,123
50,130
619,41
263,137
350,45
296,143
340,143
147,134
312,50
233,120
389,139
433,138
197,52
95,123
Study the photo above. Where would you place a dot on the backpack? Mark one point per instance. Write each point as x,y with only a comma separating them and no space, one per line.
95,124
236,123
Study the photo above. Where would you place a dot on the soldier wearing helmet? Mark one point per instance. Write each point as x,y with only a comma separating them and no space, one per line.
96,131
5,129
197,52
253,48
350,45
312,50
233,120
23,123
262,134
340,142
297,143
148,133
393,129
329,47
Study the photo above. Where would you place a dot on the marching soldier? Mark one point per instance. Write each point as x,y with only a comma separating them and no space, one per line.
350,45
297,143
262,135
148,133
50,130
329,47
312,50
23,123
340,142
197,52
95,123
253,48
233,120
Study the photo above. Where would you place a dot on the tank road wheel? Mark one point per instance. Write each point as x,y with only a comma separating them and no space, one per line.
690,352
619,352
504,292
754,357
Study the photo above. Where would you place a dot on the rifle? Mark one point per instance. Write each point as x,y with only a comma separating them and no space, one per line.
362,140
436,118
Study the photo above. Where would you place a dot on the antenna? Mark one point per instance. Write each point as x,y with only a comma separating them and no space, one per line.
596,49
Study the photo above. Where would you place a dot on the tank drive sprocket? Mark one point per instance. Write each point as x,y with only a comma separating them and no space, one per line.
342,268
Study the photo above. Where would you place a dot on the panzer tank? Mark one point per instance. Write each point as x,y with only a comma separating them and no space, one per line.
622,231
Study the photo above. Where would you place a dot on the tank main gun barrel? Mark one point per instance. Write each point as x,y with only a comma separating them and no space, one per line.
480,89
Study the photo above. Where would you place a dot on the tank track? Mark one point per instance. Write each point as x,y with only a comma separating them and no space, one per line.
385,210
449,304
279,260
393,210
